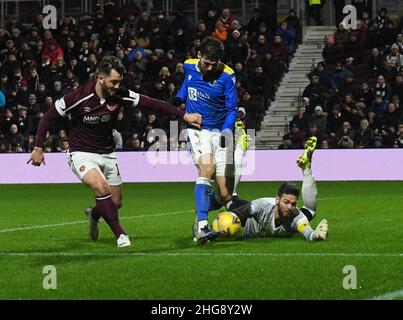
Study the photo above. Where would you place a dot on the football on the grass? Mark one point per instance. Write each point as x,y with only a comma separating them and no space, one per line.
228,224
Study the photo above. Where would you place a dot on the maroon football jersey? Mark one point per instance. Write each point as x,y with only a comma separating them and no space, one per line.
92,119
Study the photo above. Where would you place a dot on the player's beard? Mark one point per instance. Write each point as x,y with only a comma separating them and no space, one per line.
108,92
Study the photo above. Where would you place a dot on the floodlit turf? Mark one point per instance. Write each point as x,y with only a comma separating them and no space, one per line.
365,231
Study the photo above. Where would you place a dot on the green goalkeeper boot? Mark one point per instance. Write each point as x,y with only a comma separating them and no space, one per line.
304,161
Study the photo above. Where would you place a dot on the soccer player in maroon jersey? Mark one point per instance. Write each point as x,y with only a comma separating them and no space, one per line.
93,109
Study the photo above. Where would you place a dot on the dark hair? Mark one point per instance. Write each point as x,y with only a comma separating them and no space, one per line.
288,188
212,49
108,63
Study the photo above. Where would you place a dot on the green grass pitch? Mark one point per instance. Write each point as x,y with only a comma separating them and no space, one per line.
44,225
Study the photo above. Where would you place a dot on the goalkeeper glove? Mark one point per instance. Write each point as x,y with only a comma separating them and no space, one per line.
240,135
321,231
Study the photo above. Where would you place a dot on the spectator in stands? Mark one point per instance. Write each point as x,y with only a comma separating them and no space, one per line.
296,136
382,88
260,84
236,50
220,32
397,86
14,138
379,106
364,137
288,36
278,50
316,92
350,87
365,94
339,76
301,119
334,123
254,23
6,120
332,54
2,101
341,36
345,142
293,21
320,119
53,50
353,49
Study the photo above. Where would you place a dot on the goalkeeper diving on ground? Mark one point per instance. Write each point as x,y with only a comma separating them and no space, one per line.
279,216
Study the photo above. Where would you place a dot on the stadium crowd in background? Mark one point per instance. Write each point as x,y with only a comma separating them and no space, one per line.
39,66
354,99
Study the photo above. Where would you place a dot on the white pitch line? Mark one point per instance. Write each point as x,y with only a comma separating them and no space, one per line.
122,218
389,295
86,221
195,254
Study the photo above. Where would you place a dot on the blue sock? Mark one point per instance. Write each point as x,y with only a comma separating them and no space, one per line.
202,198
214,204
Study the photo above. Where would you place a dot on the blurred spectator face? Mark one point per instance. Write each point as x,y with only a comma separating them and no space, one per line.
346,126
151,118
277,39
12,57
339,66
389,64
120,116
262,28
179,68
57,86
32,99
284,25
197,42
92,58
136,143
201,27
41,87
120,53
15,33
364,124
238,67
171,87
139,56
70,44
391,107
13,129
2,32
3,78
121,30
378,99
49,101
349,79
84,45
301,110
132,43
47,34
211,13
400,129
371,115
8,114
375,52
22,112
226,12
235,25
9,44
253,54
65,144
364,86
325,144
348,98
261,39
259,70
294,129
336,111
246,96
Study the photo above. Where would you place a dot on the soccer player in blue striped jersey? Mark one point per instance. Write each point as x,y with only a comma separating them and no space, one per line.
209,89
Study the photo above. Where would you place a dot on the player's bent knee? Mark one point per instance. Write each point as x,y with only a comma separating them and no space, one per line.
207,171
100,188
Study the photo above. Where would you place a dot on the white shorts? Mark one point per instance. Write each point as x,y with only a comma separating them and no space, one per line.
82,162
201,142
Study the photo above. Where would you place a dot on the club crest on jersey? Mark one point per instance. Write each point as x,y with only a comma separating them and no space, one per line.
87,109
111,107
82,168
105,118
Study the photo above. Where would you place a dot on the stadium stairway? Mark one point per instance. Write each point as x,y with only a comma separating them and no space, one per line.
281,111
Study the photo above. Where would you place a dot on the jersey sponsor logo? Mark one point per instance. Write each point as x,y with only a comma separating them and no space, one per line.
195,94
192,94
106,118
91,119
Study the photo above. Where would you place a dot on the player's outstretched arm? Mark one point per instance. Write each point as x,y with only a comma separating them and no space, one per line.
37,157
146,102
